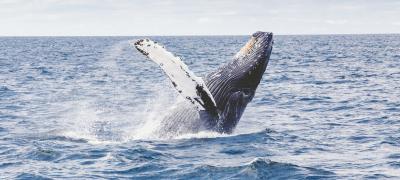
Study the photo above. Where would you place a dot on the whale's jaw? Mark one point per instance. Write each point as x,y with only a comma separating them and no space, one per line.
233,85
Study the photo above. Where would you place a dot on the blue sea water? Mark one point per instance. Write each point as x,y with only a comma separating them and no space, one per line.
328,107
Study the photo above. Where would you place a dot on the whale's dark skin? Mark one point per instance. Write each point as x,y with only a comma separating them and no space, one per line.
232,86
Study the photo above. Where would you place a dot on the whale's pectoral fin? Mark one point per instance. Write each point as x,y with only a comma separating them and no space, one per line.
190,86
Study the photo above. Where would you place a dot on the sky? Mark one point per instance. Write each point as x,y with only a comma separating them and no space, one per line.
201,17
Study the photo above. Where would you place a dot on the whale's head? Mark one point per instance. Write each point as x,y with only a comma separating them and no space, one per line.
234,85
250,62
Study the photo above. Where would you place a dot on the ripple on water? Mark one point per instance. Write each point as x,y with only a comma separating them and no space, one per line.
43,154
392,140
258,169
6,92
233,151
3,131
9,164
26,176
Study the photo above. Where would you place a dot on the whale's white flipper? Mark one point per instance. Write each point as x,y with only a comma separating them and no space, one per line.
190,86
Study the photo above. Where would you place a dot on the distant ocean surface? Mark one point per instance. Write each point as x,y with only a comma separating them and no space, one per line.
328,107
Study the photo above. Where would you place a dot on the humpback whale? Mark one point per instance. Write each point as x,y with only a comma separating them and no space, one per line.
217,101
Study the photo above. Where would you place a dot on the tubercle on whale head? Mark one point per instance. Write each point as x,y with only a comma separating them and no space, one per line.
258,42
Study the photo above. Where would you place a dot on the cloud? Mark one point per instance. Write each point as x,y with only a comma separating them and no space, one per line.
180,17
336,22
203,20
228,13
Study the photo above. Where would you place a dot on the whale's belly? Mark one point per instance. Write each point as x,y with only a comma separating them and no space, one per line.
183,119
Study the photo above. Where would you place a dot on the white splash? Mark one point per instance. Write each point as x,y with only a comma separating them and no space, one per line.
84,120
102,120
202,134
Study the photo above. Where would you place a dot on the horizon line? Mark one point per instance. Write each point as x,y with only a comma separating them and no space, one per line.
186,35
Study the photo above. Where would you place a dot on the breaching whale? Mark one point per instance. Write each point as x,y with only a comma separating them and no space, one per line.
218,101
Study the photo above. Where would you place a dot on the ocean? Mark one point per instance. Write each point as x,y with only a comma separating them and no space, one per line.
328,107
